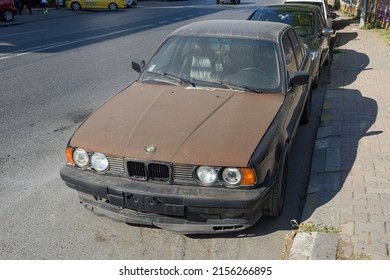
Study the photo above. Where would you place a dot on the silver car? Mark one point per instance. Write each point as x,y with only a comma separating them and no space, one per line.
228,1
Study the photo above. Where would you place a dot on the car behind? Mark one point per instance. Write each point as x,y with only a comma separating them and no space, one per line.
199,143
308,22
322,4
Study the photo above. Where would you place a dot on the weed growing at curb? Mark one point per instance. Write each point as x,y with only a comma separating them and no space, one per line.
312,227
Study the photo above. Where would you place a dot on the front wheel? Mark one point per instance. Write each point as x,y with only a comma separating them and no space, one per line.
7,15
307,110
112,7
314,83
76,6
275,202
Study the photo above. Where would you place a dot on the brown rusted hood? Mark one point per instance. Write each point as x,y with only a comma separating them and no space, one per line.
189,126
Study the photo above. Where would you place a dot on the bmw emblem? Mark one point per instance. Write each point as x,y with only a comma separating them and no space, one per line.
150,149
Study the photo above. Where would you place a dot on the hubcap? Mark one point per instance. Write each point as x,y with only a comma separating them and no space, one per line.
8,16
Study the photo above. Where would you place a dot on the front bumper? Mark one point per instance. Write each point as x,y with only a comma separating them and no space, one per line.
181,209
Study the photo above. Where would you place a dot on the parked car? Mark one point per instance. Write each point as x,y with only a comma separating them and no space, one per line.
322,4
228,1
131,3
7,10
111,5
308,22
199,143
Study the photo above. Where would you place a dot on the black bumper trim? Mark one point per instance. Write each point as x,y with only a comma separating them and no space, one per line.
175,200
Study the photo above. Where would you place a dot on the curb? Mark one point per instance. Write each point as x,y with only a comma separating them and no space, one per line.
314,246
322,201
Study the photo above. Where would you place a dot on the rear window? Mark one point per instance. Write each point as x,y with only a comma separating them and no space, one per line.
302,22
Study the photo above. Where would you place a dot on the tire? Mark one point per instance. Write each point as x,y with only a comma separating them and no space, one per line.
76,6
112,7
275,202
328,59
7,15
307,110
314,83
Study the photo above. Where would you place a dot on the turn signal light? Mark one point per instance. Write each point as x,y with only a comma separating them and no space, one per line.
249,177
69,155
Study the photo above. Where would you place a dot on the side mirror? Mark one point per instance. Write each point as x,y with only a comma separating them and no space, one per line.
299,78
332,15
327,31
138,66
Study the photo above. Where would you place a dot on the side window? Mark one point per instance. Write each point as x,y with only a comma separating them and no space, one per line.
322,17
296,47
289,55
256,16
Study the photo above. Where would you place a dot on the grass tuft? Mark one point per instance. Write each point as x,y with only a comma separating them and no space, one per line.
312,227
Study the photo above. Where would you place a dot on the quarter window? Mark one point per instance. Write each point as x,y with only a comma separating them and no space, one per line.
289,55
296,47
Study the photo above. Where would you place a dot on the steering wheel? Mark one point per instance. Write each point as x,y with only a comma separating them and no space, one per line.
254,69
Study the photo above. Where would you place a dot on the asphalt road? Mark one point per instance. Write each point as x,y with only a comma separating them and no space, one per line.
54,73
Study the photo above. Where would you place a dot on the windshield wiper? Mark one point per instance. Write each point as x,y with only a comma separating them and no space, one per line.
174,77
239,87
229,85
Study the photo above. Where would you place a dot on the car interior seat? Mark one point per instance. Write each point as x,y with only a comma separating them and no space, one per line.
200,67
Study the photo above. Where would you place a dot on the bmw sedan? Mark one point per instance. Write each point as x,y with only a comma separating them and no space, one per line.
199,143
308,22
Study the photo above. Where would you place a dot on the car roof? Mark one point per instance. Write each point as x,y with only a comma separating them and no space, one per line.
309,1
291,7
234,28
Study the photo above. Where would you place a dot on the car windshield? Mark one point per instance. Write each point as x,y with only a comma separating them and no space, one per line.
234,63
302,22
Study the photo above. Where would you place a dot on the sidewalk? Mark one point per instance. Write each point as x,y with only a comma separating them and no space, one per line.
350,178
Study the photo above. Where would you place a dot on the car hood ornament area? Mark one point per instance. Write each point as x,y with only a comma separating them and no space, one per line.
150,149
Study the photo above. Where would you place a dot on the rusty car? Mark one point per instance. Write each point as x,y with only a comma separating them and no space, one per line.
199,143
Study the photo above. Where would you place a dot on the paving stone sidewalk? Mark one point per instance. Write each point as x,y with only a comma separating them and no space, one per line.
350,178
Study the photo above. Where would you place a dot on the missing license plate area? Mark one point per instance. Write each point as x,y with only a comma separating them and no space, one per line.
152,204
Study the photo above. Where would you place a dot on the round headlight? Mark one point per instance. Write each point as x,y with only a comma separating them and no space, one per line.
206,174
80,157
99,162
232,176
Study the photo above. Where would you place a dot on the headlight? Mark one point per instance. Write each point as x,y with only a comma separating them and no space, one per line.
314,55
206,175
80,157
99,162
232,176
